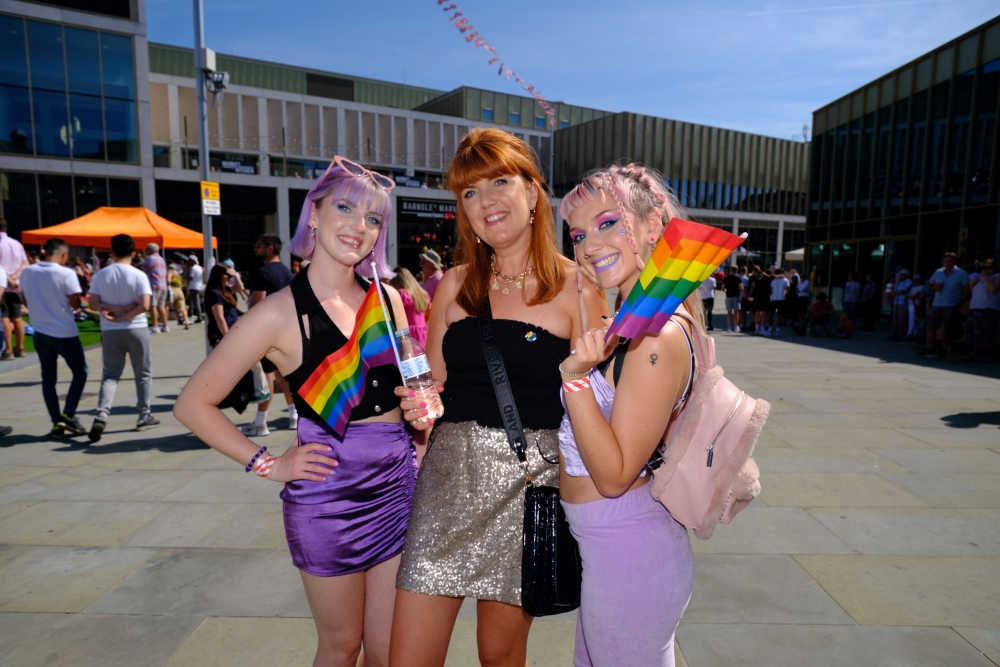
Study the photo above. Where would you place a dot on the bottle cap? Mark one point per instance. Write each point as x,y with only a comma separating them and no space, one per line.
405,331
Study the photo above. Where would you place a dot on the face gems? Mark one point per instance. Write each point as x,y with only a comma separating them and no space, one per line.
531,336
621,231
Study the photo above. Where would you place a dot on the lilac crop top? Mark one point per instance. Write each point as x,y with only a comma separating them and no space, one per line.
605,395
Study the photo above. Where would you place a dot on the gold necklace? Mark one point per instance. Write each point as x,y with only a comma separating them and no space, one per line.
517,280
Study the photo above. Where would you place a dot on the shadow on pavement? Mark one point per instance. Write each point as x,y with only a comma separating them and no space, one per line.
143,443
874,344
971,419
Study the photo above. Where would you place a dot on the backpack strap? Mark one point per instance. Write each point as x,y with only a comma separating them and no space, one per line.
704,359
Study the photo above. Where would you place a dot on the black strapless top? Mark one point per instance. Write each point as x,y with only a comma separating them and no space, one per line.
324,339
531,357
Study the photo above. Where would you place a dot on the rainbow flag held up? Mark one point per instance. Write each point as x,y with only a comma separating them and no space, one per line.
687,254
338,384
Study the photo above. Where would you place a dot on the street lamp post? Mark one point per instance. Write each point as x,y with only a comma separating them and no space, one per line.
203,162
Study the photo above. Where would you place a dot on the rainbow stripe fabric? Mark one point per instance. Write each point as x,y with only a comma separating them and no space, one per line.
338,384
687,254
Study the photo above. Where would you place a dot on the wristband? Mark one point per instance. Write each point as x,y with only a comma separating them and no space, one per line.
255,457
576,385
265,465
573,375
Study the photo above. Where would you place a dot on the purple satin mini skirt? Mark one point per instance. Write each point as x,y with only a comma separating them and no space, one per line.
356,518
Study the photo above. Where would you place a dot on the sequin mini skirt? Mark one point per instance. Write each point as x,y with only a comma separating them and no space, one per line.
465,532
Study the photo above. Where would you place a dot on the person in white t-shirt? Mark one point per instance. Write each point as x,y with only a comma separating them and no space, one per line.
779,288
52,292
707,289
122,294
196,285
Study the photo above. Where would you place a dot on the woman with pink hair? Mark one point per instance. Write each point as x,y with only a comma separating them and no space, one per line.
638,569
346,497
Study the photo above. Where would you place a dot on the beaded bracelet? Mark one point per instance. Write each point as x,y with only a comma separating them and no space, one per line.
576,385
255,457
264,466
572,375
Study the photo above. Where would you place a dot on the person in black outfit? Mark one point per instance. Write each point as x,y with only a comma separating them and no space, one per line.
265,280
734,291
762,303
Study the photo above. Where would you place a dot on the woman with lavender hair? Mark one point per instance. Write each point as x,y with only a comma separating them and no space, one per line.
346,498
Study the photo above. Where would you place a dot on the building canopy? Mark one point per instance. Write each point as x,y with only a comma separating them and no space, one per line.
97,228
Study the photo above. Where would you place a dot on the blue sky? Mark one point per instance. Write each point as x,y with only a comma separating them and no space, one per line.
756,65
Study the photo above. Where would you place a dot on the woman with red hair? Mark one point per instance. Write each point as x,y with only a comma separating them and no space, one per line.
465,532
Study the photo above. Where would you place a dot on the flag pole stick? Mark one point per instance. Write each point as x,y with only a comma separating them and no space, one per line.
385,314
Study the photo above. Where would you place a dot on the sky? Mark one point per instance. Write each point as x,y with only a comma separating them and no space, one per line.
759,66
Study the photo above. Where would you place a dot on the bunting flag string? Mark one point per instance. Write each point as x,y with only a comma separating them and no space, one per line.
478,41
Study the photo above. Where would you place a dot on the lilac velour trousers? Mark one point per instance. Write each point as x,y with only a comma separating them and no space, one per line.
638,571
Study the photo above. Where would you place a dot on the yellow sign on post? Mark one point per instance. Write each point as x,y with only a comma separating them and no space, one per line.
210,200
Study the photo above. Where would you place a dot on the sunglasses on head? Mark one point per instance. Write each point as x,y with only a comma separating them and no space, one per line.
356,169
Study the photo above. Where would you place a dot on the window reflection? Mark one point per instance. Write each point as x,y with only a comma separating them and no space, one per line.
56,196
51,131
86,127
15,120
13,63
116,58
119,118
91,194
83,61
46,56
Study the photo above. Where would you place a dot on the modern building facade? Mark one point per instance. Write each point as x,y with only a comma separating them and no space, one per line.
905,168
92,115
736,180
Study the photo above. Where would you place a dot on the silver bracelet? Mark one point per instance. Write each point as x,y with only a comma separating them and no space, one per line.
572,375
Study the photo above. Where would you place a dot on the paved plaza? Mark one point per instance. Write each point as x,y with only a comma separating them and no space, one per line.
876,539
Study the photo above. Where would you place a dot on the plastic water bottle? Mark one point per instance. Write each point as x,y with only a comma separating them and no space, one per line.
417,374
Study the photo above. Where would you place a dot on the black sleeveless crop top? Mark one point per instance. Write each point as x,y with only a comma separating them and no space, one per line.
531,357
324,339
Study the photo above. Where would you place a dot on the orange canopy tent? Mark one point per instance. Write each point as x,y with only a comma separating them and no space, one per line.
97,228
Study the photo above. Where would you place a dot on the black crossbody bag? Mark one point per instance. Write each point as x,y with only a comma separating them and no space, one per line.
550,558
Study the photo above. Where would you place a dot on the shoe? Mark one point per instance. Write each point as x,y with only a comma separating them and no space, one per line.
293,423
6,430
154,330
146,422
253,431
165,329
57,431
926,355
19,353
71,425
186,327
97,430
7,356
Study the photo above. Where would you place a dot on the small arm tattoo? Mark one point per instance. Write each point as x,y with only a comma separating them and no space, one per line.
652,359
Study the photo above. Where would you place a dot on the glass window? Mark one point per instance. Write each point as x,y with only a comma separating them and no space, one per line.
487,114
515,118
119,119
13,64
20,202
83,62
124,192
45,48
540,122
15,120
161,156
55,194
116,57
86,127
563,124
91,194
51,133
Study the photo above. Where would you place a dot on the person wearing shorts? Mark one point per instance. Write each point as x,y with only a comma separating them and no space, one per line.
734,297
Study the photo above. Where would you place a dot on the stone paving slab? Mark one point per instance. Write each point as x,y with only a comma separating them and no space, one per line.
237,642
91,640
828,490
210,582
737,645
89,524
772,530
210,526
911,590
986,640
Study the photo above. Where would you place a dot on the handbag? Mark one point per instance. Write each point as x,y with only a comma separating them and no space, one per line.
704,474
551,569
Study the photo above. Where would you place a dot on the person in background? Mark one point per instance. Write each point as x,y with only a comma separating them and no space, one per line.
852,290
4,430
82,272
296,265
792,299
746,314
223,285
819,315
947,286
430,266
267,279
93,261
228,261
415,303
984,311
53,292
915,306
779,290
156,270
868,303
734,295
13,260
805,297
900,311
121,293
196,285
707,292
177,299
762,302
844,328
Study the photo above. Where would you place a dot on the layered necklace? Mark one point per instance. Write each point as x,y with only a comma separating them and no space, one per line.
518,280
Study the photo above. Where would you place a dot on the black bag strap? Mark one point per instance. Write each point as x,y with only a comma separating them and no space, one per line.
505,397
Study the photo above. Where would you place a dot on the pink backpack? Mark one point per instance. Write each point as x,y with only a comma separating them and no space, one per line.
706,474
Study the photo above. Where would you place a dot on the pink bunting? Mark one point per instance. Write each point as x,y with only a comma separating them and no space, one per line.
464,26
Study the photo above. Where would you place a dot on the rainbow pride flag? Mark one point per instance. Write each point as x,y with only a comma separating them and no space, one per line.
338,384
687,254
